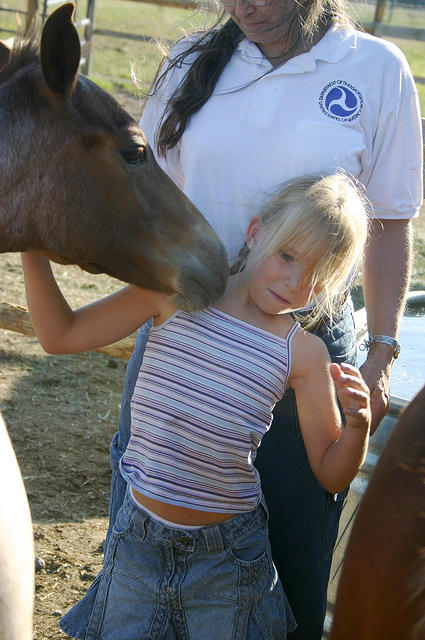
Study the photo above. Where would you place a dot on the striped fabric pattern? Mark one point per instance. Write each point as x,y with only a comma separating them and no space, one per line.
201,405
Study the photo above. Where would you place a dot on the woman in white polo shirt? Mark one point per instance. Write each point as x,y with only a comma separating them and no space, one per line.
281,89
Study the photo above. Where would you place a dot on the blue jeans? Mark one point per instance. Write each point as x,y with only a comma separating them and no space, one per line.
303,517
160,583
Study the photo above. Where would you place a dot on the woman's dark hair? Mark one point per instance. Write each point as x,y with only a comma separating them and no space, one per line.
214,48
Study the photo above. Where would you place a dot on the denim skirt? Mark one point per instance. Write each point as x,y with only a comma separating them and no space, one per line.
208,583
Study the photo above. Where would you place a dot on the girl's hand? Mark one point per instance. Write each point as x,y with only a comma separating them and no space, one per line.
353,394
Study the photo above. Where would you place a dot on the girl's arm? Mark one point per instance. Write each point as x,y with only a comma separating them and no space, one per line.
335,452
62,330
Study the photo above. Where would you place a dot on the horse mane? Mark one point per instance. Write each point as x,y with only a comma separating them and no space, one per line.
24,63
23,54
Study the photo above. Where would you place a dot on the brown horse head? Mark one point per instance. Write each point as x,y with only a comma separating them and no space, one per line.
79,182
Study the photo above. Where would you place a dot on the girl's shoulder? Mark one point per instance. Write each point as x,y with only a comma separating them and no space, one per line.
309,354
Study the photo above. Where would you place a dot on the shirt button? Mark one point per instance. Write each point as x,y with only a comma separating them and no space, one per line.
168,589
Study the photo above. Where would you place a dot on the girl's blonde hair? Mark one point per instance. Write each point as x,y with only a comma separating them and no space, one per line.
326,214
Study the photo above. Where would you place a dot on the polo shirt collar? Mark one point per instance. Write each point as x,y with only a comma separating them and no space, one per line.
333,47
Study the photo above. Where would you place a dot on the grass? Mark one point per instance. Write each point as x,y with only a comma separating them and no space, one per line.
414,50
112,58
401,15
415,54
418,274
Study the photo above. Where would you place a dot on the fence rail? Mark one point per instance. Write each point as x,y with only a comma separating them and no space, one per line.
393,31
15,318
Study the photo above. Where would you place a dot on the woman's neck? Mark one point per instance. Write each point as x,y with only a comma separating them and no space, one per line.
293,45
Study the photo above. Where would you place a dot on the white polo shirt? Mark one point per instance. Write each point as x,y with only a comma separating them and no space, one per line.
350,103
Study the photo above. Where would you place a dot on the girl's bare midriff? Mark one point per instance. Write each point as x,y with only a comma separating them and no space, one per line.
180,515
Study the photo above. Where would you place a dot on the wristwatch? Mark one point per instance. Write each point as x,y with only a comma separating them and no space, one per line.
391,342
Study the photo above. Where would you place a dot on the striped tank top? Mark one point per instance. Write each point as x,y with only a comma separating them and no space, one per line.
201,405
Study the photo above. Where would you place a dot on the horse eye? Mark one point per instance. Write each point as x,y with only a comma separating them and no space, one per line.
135,155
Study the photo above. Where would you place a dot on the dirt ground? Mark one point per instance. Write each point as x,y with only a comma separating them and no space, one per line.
61,412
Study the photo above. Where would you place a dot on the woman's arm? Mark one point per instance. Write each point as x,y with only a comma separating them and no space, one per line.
386,272
63,330
335,452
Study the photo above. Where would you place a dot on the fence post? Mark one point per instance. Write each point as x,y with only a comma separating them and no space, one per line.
379,14
88,36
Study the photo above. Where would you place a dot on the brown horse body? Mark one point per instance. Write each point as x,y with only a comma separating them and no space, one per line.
79,182
381,593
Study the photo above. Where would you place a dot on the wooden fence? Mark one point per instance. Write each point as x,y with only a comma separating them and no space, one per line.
379,28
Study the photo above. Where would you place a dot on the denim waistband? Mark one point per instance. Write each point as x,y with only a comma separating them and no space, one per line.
210,539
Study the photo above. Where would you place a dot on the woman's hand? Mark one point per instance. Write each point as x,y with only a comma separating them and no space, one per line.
353,394
377,378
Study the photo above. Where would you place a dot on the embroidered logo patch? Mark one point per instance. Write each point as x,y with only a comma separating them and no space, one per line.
341,101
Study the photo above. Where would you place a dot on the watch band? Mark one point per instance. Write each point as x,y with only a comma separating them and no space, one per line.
391,342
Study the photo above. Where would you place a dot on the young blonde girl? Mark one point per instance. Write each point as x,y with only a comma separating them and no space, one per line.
189,556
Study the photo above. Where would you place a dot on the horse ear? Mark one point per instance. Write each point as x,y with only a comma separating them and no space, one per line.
60,50
4,54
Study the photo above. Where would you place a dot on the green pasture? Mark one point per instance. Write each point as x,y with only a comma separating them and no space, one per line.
114,60
113,57
414,50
